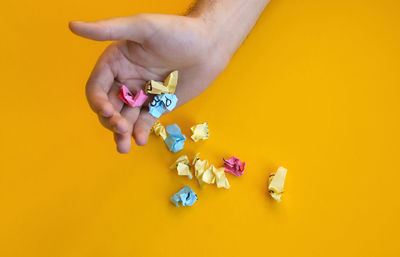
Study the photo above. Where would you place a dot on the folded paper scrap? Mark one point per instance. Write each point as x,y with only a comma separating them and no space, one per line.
186,196
182,165
276,182
159,130
168,87
127,97
200,131
161,103
209,174
175,139
234,166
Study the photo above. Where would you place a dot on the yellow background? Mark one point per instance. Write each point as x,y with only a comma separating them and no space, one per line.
315,88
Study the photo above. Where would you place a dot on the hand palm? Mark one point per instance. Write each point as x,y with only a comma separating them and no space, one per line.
152,46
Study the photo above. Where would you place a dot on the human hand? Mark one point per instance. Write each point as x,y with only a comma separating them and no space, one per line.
148,47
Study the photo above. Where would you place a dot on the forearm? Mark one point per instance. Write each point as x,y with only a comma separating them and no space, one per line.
229,21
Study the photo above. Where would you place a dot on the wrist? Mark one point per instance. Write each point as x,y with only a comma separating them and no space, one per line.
227,22
216,41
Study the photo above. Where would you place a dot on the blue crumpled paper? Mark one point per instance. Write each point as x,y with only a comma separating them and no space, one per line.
186,196
161,103
175,139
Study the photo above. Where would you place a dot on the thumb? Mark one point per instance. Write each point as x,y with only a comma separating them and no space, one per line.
132,28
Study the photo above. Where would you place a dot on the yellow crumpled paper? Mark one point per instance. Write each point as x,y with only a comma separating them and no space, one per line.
171,81
200,167
208,176
183,166
206,173
166,87
159,130
276,183
200,131
155,87
220,177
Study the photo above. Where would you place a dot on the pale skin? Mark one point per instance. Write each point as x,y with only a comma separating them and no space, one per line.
149,46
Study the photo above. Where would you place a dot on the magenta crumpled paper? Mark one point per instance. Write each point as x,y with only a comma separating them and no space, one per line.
234,166
134,101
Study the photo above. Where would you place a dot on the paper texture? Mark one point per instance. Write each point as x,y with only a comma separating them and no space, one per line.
175,139
200,132
171,81
155,87
159,130
183,167
220,178
234,166
169,101
162,102
206,173
157,111
168,87
200,167
134,101
182,159
276,183
184,170
186,196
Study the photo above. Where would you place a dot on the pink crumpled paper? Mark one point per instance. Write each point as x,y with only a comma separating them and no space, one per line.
234,166
134,101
